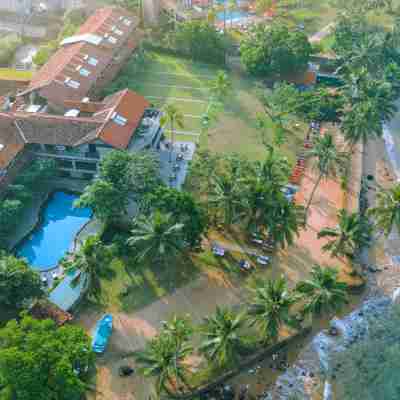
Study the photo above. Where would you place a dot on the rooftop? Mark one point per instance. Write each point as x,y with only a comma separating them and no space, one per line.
76,66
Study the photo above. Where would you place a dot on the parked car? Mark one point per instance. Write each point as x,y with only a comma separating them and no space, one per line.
244,265
218,251
102,333
263,260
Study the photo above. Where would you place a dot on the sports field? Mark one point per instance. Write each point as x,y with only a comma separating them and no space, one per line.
167,79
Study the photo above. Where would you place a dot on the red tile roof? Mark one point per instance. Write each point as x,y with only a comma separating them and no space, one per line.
18,128
129,105
50,79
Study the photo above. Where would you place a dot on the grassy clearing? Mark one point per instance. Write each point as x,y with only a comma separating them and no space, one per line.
165,79
313,14
14,75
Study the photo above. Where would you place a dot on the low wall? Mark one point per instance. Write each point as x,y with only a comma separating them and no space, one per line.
248,362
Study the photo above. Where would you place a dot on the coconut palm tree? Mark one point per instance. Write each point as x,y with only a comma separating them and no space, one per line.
157,236
322,292
221,86
327,162
173,117
283,219
165,361
275,168
352,233
226,197
269,307
179,328
87,264
387,209
222,339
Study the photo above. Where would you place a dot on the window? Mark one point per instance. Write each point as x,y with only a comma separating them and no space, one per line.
84,72
117,31
118,119
71,83
93,61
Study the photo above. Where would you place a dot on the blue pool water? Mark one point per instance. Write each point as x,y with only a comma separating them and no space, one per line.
53,237
234,15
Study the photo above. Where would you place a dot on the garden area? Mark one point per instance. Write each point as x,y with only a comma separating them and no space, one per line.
166,79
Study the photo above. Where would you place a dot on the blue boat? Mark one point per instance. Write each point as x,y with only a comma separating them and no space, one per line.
102,333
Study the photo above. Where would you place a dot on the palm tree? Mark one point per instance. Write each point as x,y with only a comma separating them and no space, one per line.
179,328
269,307
86,263
352,233
275,168
387,209
221,85
222,338
157,236
322,292
173,117
283,219
327,162
165,361
226,196
232,7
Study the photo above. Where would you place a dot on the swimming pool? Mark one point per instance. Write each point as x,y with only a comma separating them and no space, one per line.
234,15
59,223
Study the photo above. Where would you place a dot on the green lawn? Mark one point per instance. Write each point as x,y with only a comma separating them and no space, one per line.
313,14
12,74
166,78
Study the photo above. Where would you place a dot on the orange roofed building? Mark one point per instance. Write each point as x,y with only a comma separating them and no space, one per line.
87,61
55,117
78,139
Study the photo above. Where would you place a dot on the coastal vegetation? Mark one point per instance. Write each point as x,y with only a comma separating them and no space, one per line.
39,360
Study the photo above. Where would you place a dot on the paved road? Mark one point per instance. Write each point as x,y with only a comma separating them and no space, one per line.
324,32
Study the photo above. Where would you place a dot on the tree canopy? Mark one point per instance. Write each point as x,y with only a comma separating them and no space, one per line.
201,41
122,177
39,361
18,282
275,50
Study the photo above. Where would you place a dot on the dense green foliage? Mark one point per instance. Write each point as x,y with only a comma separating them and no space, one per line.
201,41
275,50
184,209
39,361
352,233
123,177
90,260
269,307
157,237
18,282
17,197
222,338
165,355
8,47
322,292
387,210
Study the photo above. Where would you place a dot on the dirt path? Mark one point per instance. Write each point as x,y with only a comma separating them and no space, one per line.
132,330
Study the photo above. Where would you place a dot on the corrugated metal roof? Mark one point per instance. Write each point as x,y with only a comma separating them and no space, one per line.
65,296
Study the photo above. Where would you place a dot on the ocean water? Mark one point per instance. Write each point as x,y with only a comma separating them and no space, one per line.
59,223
